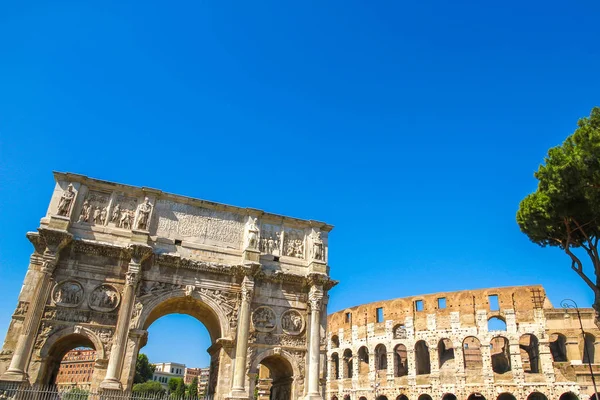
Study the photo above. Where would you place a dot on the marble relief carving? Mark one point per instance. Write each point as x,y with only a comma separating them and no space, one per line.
104,298
263,319
270,239
68,294
123,212
66,200
293,243
95,208
252,234
292,322
318,253
203,224
144,210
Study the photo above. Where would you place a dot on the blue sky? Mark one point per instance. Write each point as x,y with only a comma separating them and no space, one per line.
414,127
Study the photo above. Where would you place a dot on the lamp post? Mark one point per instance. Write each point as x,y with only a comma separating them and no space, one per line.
570,303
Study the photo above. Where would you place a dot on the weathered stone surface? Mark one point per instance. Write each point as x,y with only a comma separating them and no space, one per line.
441,344
110,259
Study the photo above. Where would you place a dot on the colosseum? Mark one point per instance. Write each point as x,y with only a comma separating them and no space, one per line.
496,344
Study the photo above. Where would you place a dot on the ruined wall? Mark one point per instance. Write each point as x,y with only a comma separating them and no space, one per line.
480,342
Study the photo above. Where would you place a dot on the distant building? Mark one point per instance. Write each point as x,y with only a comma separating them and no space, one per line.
202,375
76,368
166,371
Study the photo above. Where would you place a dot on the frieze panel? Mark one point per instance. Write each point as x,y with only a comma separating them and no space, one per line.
22,308
104,298
270,338
263,319
207,225
46,329
68,294
77,315
293,243
123,212
95,208
292,322
270,239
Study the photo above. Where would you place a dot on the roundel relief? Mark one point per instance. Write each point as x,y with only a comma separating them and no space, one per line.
263,319
104,298
68,294
292,322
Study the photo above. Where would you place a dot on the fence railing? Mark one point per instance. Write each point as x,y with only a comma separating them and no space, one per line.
37,392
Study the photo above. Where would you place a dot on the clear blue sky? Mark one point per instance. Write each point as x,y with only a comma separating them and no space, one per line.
414,127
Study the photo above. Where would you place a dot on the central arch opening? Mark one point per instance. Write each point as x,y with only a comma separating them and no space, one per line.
275,378
181,333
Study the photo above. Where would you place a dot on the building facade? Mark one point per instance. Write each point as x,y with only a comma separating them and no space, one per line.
110,259
165,371
76,368
502,343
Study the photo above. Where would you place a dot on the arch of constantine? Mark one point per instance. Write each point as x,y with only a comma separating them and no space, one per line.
110,259
495,344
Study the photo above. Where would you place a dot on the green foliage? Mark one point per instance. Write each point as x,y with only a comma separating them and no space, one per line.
193,388
180,390
173,383
143,369
76,394
148,387
564,211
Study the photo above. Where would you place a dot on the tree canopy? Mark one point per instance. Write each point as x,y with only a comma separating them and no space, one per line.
173,383
564,211
148,387
143,369
193,388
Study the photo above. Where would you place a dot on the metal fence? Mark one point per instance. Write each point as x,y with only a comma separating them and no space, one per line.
36,392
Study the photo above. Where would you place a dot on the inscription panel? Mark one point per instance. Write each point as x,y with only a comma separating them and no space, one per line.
199,224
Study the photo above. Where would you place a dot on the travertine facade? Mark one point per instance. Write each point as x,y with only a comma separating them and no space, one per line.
110,259
502,343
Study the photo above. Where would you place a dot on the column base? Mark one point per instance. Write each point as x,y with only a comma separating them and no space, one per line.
314,396
237,394
111,384
14,376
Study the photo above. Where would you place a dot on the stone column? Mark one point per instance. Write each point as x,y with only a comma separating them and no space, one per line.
241,343
49,242
315,297
112,381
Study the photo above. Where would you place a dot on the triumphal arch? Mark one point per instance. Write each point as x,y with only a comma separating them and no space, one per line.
109,259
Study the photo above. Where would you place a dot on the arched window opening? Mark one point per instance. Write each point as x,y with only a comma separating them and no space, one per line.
449,396
568,396
558,347
537,396
402,397
363,360
506,396
71,362
382,397
347,365
281,373
335,342
500,353
346,397
422,361
362,398
530,353
335,366
425,396
446,354
496,324
589,351
381,357
400,361
472,354
334,398
476,396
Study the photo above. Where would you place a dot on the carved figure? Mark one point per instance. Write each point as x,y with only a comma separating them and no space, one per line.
252,233
68,293
104,298
126,219
318,247
64,204
103,215
85,212
97,215
292,322
143,214
116,213
263,319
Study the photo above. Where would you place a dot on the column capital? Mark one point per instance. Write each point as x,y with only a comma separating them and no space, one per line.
315,297
54,240
138,253
247,288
